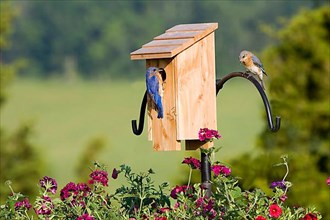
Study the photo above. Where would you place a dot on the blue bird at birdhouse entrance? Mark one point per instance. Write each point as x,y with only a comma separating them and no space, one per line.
154,80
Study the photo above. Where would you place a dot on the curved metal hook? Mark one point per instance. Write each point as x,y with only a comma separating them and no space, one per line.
138,131
221,82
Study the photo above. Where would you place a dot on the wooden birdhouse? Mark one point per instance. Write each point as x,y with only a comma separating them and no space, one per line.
187,54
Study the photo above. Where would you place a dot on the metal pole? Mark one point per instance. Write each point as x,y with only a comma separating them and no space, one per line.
206,174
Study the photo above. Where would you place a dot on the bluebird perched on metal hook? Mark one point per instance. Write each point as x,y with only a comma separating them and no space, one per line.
154,82
253,65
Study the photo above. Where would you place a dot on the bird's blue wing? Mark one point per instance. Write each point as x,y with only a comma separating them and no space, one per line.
152,85
258,63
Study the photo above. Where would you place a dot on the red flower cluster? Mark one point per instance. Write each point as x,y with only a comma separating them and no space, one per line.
206,134
192,162
178,189
220,169
99,176
275,211
24,204
260,217
204,207
75,193
309,216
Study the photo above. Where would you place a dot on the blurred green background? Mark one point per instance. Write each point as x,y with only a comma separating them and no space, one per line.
69,90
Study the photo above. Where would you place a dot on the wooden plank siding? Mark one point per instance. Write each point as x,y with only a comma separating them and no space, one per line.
188,33
187,53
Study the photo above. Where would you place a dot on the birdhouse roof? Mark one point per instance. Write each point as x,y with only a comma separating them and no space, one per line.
173,41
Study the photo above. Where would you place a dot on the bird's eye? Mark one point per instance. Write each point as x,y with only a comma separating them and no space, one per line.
154,69
244,56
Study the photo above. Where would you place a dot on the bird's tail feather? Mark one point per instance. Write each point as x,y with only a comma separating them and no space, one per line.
159,105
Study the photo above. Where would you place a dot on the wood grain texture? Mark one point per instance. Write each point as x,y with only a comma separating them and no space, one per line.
187,33
187,53
194,27
196,98
163,131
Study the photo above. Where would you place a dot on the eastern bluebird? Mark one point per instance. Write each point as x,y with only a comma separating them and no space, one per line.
252,64
154,82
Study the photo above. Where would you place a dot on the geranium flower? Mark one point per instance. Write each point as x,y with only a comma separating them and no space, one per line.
48,184
68,190
220,169
192,162
328,181
206,134
275,211
310,216
75,194
260,217
178,189
44,206
24,204
99,176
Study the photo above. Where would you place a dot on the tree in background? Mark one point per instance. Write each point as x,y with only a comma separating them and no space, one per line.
89,155
94,39
19,162
299,80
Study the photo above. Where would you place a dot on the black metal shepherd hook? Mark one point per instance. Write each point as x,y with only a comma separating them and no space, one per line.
221,82
137,130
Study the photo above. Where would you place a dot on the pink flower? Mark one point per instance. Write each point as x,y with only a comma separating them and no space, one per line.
206,134
328,181
192,162
48,184
283,198
99,176
68,190
164,210
260,217
275,211
75,194
178,189
220,169
24,204
44,206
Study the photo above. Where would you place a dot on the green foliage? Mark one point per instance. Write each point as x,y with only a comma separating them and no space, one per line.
140,199
139,196
97,37
7,71
299,76
19,160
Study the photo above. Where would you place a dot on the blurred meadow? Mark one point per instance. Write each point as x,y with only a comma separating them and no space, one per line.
69,90
66,115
